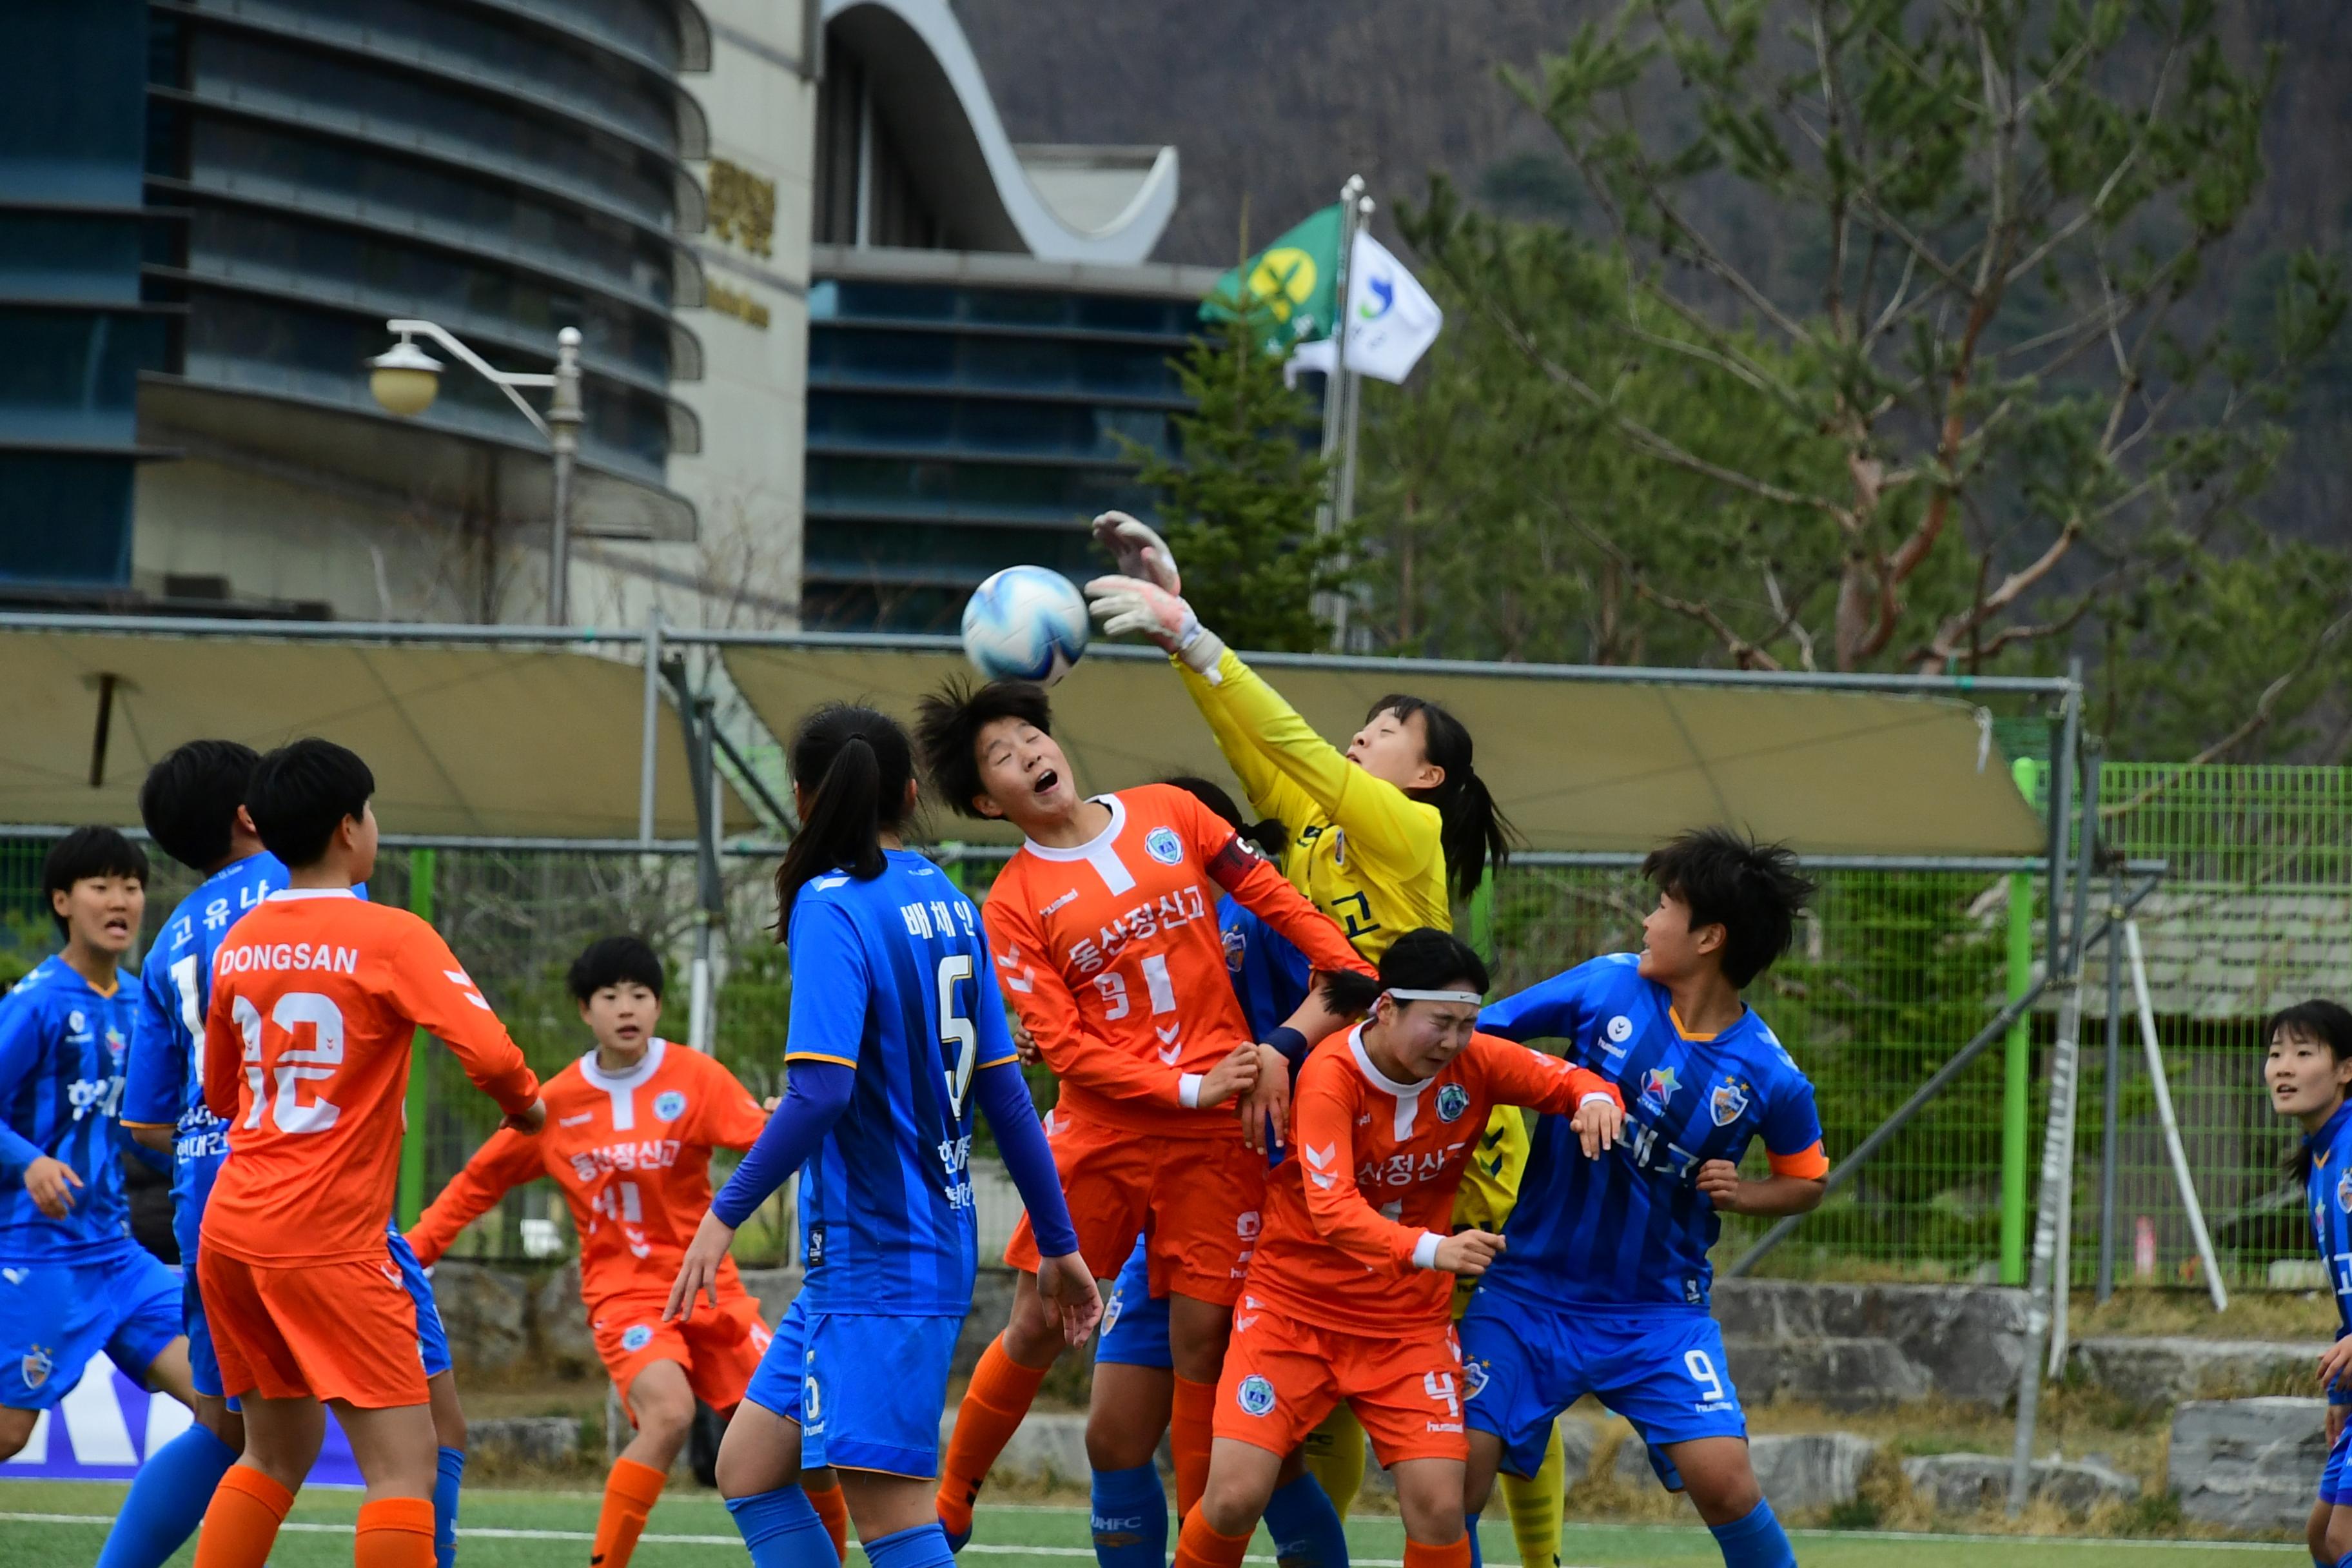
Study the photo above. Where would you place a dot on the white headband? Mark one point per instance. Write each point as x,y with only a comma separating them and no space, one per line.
1472,998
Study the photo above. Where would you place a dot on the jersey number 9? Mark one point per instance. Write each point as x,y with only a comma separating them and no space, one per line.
297,1065
956,1031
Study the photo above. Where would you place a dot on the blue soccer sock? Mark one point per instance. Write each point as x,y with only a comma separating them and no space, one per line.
783,1529
2343,1561
451,1475
1129,1518
167,1500
923,1546
1477,1557
1756,1542
1306,1527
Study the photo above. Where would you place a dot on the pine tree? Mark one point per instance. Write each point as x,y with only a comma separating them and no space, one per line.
1238,507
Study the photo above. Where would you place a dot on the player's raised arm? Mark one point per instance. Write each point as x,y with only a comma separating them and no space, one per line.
441,999
1003,1093
508,1160
1266,893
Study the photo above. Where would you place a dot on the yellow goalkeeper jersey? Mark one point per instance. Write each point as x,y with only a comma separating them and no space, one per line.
1369,856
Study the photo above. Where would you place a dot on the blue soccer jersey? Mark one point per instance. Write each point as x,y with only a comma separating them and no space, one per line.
62,1046
164,1086
2328,1188
1270,974
1630,1229
892,978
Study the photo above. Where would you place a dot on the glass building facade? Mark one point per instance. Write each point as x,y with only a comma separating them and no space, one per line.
231,196
956,429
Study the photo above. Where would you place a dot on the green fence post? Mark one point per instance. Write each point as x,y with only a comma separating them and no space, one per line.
412,1144
1482,917
2016,1061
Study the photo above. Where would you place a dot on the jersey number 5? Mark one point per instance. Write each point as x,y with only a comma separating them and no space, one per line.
956,1031
297,1065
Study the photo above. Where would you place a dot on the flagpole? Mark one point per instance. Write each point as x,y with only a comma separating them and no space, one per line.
1329,606
1352,383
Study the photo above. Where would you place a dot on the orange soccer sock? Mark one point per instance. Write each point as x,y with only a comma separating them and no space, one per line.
395,1533
999,1397
630,1493
1458,1555
241,1522
1190,1417
1198,1546
830,1508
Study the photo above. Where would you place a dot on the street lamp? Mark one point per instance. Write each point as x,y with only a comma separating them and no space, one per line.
404,379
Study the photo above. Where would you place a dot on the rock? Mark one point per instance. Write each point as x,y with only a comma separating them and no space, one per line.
1578,1438
1045,1447
2165,1369
561,1323
2248,1464
546,1441
1811,1469
486,1311
1963,1341
1631,1467
1964,1483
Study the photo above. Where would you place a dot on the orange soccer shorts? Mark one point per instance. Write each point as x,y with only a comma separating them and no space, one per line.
326,1330
719,1351
1196,1199
1283,1376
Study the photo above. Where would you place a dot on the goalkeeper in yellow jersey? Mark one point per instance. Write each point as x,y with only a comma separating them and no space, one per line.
1383,836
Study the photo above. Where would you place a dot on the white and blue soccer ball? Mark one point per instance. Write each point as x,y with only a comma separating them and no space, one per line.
1026,624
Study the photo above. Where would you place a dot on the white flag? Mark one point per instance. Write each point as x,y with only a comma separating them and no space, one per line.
1391,320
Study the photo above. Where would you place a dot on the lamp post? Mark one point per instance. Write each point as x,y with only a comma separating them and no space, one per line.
404,379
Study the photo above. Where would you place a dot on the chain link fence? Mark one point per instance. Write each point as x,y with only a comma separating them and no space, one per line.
1893,971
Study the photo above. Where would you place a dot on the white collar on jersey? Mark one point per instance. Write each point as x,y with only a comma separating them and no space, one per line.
1379,1078
1092,847
648,1065
289,894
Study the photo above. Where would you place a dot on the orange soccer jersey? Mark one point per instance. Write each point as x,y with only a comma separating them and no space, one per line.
1352,1223
1110,953
315,996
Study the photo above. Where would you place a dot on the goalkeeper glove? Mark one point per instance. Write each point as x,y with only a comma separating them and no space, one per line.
1126,604
1140,551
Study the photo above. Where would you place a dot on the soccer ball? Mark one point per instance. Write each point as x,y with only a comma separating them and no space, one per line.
1025,624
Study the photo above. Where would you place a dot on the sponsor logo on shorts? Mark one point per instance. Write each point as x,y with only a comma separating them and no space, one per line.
1255,1396
1163,845
635,1337
15,1275
34,1366
1452,1102
1728,1102
669,1105
1246,1223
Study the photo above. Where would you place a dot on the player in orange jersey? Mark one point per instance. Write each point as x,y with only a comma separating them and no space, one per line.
1347,1298
630,1130
315,996
1104,929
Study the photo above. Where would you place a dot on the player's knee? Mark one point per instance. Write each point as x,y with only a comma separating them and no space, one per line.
1230,1503
1430,1508
1723,1494
16,1431
1033,1336
2314,1530
1116,1441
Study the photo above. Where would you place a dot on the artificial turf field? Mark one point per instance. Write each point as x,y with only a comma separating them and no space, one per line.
47,1524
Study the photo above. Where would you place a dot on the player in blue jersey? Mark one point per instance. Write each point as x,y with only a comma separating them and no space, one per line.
1602,1285
74,1282
1129,1407
193,803
2308,1071
896,1028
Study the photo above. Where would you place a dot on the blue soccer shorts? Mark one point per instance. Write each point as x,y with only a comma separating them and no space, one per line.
867,1392
1135,1325
431,1337
1663,1371
2336,1480
54,1317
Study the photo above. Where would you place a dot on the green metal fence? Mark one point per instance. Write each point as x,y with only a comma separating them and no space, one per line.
1893,971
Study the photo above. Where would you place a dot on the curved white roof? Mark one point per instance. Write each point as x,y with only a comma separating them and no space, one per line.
1104,204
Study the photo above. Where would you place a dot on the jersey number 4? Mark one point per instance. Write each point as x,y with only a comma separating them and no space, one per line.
296,1065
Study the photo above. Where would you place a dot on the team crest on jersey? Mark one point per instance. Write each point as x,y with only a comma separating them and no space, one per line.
35,1367
76,1022
669,1105
1729,1099
1659,1087
1452,1102
2343,1191
1236,949
635,1338
1255,1396
1163,845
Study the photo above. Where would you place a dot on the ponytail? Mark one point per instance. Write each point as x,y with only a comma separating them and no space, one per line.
852,764
1270,837
1473,832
